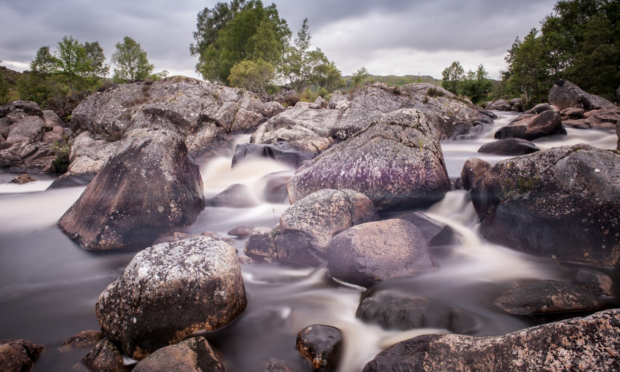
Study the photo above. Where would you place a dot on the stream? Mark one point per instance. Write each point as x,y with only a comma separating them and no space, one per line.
49,285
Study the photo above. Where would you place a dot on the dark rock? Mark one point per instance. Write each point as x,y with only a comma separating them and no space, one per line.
562,203
105,357
545,297
397,162
147,188
141,311
472,172
18,355
82,339
539,109
275,187
618,134
241,231
435,233
530,128
565,94
277,365
27,129
307,227
463,323
594,282
261,243
499,105
23,179
376,251
579,344
618,95
394,310
67,180
245,260
509,146
290,97
572,113
20,109
322,346
603,118
192,355
235,196
283,152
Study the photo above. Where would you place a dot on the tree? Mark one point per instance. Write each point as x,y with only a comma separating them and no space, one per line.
476,84
359,76
328,76
4,87
131,61
251,75
452,76
95,66
44,62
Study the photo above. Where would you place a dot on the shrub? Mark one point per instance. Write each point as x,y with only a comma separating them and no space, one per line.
434,92
62,150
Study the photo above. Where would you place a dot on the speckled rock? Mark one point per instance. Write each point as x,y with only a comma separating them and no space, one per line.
322,346
104,357
82,339
278,365
530,128
435,233
307,227
545,297
261,243
241,231
369,253
562,203
289,153
472,172
499,105
565,94
235,196
510,147
539,109
192,355
397,162
594,282
18,355
23,179
579,344
147,188
170,291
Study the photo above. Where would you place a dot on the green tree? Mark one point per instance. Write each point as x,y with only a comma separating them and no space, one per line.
476,84
4,87
131,62
326,75
44,62
252,75
95,66
452,76
359,76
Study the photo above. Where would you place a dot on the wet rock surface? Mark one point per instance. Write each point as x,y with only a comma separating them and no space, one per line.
435,233
546,297
284,152
473,170
241,231
561,203
580,344
594,282
104,357
510,147
191,355
322,346
18,355
529,127
261,243
23,179
369,253
235,196
397,162
278,365
170,291
82,339
147,188
565,94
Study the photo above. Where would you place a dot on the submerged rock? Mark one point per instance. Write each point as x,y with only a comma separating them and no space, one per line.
473,170
565,94
376,251
82,339
580,344
105,357
147,188
510,147
562,203
530,128
435,233
396,161
168,292
18,355
235,196
23,179
192,355
322,346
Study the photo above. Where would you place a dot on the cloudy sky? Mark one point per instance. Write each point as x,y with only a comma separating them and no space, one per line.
389,37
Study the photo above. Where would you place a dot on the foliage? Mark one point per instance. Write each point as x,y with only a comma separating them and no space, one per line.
95,66
62,150
4,88
44,62
476,85
131,62
158,75
253,76
434,92
359,76
452,76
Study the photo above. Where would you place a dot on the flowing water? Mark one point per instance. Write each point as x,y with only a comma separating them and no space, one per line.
49,286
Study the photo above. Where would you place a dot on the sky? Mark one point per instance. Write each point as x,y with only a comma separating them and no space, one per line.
389,37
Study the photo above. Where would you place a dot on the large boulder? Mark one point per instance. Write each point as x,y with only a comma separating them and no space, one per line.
396,161
147,188
565,94
509,147
499,105
18,355
562,203
369,253
580,344
472,172
170,291
192,355
307,227
530,128
322,346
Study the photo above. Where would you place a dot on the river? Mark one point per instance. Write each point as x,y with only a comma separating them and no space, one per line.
49,285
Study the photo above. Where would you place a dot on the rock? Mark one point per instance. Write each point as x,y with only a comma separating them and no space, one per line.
147,188
618,95
81,340
565,94
53,120
322,346
235,196
261,243
303,121
509,147
369,253
307,227
435,233
18,355
603,118
545,297
618,134
530,128
278,365
579,344
192,355
284,152
517,104
169,291
245,260
572,113
338,101
23,179
216,236
473,170
562,203
539,109
27,129
18,109
499,105
105,357
320,103
397,162
594,282
275,187
398,311
290,97
241,231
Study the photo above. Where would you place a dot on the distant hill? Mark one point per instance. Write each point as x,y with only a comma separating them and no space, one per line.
392,80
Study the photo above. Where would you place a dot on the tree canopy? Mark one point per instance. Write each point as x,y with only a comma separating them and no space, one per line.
131,62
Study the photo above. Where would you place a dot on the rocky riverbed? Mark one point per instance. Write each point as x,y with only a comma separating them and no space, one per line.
379,246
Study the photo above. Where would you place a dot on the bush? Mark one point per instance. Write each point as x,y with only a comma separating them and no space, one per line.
434,92
62,150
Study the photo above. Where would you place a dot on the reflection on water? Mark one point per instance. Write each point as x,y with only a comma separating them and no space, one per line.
49,286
